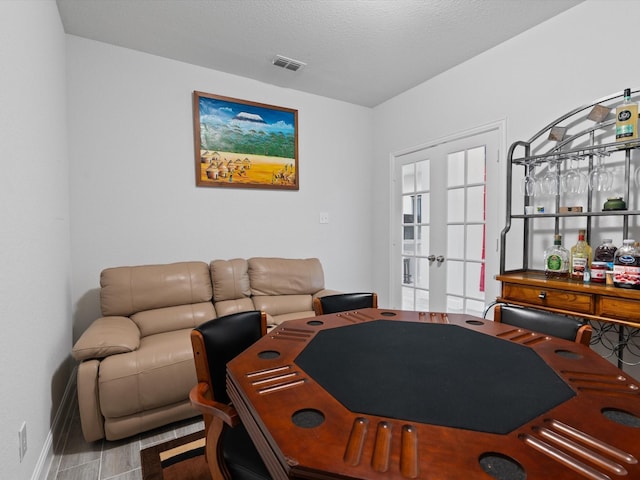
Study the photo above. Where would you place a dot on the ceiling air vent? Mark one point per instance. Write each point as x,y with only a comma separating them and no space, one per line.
288,63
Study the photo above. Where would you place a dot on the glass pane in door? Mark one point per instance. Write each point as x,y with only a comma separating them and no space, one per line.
474,248
475,204
422,270
408,178
455,277
422,240
422,176
455,169
476,165
455,205
422,300
455,241
473,276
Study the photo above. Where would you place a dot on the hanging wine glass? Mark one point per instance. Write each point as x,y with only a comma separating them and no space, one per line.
529,182
600,179
573,180
549,181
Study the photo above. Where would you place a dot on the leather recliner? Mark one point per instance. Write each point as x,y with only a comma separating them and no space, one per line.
136,362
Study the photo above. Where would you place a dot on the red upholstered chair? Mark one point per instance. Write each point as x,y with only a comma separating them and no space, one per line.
230,453
344,302
541,321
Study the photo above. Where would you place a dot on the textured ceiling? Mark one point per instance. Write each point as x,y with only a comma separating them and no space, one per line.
359,51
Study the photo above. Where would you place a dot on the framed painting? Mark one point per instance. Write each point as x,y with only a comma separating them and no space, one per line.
242,144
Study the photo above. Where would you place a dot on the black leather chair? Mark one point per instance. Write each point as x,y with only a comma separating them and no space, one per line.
230,453
344,302
541,321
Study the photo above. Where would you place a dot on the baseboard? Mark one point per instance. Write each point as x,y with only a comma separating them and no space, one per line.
60,421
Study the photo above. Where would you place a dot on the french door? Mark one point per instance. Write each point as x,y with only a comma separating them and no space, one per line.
443,208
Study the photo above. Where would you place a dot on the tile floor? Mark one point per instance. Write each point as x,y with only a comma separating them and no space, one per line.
109,460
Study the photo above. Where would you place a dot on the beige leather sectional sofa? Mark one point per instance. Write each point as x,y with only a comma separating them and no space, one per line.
136,363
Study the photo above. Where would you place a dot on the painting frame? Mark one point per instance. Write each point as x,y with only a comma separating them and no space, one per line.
244,144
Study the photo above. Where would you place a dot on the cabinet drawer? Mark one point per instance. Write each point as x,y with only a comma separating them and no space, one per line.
621,308
549,297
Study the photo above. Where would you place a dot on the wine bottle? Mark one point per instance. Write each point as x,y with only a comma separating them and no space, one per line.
580,257
627,119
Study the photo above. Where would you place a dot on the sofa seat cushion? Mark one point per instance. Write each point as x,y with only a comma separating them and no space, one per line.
227,307
161,372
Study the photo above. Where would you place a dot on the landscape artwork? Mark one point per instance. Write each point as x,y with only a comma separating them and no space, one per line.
242,144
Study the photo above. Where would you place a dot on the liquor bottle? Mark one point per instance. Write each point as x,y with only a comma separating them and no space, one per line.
627,119
556,259
580,257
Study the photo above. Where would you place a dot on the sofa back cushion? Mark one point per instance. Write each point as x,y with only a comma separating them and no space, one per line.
129,290
284,276
230,279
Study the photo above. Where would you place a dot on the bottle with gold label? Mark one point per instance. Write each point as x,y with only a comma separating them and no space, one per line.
627,119
580,259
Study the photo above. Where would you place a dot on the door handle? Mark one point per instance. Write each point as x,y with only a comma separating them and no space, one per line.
431,258
440,259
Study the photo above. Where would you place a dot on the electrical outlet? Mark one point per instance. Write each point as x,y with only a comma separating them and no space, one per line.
22,440
324,217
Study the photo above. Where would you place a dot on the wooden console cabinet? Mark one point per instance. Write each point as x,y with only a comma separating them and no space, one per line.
593,301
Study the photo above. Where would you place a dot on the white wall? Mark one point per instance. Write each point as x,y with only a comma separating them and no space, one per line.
570,60
35,308
133,194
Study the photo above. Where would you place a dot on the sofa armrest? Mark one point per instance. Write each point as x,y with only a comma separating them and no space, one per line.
107,336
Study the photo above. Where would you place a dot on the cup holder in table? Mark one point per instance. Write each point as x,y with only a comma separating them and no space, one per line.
621,417
501,467
268,354
308,418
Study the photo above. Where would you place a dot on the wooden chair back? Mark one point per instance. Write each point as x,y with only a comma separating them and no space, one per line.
343,302
214,344
541,321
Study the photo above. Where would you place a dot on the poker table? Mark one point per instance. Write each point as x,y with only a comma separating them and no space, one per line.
388,394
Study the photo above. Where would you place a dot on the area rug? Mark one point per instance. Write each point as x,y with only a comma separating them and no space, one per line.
178,459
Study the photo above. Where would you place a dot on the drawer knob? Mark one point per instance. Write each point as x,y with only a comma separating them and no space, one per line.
542,295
